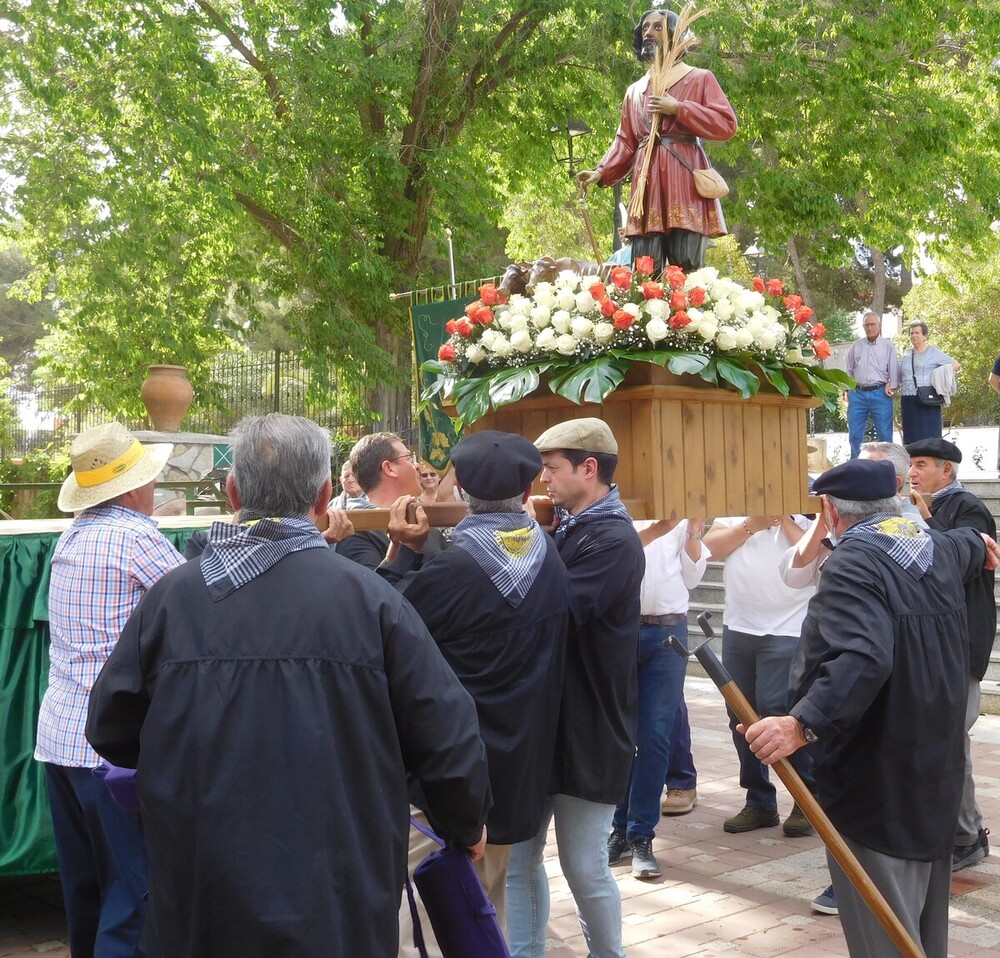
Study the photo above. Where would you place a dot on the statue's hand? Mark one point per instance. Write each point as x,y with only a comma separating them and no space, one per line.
587,178
666,105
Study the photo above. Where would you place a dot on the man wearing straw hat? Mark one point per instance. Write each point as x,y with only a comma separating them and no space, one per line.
667,218
102,566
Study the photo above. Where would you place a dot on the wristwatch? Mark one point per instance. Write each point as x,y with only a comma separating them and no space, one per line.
807,733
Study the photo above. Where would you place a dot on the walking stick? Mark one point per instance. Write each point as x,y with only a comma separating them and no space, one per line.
744,711
589,226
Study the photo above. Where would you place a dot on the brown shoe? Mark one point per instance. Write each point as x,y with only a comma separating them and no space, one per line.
679,801
797,825
750,818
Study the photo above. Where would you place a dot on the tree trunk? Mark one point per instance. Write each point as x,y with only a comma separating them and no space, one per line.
905,279
878,297
800,276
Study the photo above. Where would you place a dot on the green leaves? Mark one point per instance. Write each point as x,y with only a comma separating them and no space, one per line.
592,381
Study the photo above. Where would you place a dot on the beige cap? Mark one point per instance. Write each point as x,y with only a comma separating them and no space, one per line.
587,435
108,461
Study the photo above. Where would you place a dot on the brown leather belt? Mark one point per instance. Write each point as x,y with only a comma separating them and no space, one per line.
671,619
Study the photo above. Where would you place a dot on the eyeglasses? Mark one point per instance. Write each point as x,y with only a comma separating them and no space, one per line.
427,475
412,456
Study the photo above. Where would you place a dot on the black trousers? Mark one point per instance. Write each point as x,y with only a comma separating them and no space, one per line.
682,248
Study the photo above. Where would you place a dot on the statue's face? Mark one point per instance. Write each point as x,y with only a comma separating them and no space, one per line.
655,33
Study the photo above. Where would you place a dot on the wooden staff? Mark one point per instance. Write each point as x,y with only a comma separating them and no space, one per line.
589,226
847,860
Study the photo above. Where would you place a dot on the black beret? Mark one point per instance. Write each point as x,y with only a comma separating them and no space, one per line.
495,465
936,449
859,480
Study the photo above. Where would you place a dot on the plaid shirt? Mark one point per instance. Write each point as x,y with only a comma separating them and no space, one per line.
102,566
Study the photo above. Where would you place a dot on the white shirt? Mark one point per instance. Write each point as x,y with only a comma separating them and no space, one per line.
757,600
670,571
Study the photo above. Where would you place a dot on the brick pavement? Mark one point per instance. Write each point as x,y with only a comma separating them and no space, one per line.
720,894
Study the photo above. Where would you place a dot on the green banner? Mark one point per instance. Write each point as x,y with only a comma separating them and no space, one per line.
437,435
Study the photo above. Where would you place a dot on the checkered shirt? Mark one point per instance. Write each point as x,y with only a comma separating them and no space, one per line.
102,566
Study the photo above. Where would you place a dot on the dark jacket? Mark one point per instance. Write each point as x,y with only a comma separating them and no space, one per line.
272,732
963,510
597,722
881,675
510,660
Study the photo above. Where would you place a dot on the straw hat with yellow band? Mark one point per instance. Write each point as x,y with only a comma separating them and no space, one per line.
108,461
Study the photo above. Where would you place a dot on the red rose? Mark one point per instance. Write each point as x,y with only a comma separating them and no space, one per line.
802,315
608,309
775,287
678,299
793,302
621,276
758,284
676,277
680,320
822,349
464,328
622,319
696,296
652,290
599,292
470,310
451,326
644,265
817,330
489,294
484,316
446,353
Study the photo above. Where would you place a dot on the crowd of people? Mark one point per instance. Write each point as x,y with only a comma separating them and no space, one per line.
289,699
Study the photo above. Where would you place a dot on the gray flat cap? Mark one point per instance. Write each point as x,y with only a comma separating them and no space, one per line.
587,435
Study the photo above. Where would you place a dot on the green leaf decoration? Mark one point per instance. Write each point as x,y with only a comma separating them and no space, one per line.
746,383
681,363
513,384
776,378
592,382
472,398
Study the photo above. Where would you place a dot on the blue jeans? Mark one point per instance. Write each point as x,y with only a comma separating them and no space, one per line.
582,835
759,665
681,772
102,865
661,687
860,405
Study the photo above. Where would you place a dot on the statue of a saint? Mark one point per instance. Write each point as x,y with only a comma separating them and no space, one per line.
675,222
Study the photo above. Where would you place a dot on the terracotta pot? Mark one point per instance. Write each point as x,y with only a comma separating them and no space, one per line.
166,394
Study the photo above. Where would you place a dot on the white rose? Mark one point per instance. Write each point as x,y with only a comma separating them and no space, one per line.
707,330
566,345
503,318
546,339
521,341
604,333
567,279
541,317
566,299
475,353
703,277
694,314
517,321
561,321
724,311
587,281
794,355
657,307
582,327
749,299
520,304
501,346
633,309
656,329
708,315
727,338
585,302
744,338
487,338
544,297
765,340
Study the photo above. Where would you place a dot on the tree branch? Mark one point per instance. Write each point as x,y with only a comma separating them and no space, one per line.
279,228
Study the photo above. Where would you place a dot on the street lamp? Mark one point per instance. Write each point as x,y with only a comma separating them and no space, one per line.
572,128
754,255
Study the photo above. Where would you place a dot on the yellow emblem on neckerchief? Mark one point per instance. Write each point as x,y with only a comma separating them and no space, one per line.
898,526
516,542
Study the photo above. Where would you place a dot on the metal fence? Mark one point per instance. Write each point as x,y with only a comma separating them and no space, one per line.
249,383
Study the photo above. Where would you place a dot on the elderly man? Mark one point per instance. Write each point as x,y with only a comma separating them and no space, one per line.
879,684
874,363
352,495
102,566
595,746
933,464
273,720
495,604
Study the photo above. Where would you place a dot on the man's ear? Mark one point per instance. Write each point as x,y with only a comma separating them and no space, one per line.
234,498
323,497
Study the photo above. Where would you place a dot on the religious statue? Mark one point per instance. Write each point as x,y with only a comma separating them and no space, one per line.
668,219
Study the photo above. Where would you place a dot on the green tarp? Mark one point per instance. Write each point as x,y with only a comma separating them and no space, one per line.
26,844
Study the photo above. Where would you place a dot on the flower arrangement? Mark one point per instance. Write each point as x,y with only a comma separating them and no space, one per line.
583,334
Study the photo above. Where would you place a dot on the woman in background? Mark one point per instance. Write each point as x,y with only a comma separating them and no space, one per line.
920,421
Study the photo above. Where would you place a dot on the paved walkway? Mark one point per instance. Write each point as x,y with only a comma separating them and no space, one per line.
720,894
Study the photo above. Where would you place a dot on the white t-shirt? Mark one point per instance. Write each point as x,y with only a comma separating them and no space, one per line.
670,573
757,600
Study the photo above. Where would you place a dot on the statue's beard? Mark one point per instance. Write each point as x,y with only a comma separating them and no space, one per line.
648,52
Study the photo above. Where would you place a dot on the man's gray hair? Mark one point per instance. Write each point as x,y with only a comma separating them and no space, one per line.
480,506
892,452
280,463
853,510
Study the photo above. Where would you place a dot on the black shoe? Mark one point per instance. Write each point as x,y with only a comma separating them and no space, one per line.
618,847
750,818
644,863
962,856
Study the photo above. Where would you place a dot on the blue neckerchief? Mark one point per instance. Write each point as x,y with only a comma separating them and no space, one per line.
609,508
509,547
902,540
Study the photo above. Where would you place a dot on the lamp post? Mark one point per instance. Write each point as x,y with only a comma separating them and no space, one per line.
572,128
754,255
